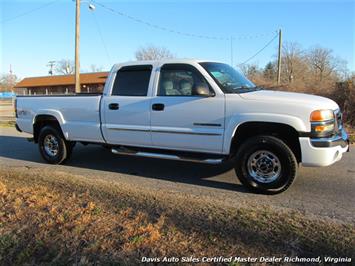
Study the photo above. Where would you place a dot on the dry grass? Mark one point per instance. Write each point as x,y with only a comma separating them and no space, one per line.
57,218
7,123
351,132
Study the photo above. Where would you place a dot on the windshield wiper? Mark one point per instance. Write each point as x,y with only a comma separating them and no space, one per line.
242,89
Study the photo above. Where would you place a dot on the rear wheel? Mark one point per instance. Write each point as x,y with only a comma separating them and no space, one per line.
265,164
53,146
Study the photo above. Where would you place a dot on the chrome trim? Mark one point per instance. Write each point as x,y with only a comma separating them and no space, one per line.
166,156
207,124
186,133
129,129
341,139
322,123
166,131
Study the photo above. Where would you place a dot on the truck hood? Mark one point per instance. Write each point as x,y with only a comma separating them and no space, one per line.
290,97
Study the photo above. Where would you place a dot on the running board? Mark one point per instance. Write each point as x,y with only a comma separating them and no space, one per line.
165,156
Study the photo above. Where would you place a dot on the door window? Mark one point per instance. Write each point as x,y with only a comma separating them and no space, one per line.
132,81
180,80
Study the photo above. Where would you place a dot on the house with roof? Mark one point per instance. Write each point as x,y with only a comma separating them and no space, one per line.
61,84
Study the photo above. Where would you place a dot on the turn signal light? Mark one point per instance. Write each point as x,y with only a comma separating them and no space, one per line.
321,115
324,128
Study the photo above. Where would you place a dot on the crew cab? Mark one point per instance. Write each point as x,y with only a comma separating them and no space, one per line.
192,110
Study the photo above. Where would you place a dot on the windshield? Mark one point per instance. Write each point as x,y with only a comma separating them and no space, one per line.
229,79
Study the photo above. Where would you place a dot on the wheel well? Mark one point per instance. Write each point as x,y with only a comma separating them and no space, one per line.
282,131
41,121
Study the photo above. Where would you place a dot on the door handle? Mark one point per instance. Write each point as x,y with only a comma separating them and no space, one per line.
158,107
113,106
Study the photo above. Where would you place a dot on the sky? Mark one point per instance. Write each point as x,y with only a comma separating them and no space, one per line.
32,33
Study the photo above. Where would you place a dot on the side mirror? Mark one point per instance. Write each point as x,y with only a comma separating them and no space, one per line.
203,91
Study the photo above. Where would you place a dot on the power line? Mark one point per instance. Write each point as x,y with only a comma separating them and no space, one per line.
166,29
28,12
102,38
258,52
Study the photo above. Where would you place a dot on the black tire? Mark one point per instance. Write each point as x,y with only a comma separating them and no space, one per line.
57,142
70,148
262,153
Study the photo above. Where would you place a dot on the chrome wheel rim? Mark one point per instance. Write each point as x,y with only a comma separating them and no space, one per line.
264,166
51,145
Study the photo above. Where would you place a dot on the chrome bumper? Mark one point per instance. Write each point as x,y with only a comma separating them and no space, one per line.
340,139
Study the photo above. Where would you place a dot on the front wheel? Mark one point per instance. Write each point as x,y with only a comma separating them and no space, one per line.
53,146
265,164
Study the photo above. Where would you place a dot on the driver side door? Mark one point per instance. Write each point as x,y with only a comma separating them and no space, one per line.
180,118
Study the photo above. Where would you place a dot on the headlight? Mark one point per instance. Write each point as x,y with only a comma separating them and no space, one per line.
322,123
322,115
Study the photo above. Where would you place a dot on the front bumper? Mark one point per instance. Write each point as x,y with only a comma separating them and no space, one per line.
341,139
323,151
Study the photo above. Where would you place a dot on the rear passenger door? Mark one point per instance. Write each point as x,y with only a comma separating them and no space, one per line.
126,112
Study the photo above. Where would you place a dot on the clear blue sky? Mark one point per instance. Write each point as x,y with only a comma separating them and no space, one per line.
28,42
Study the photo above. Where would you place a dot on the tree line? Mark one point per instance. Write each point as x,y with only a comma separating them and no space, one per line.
315,70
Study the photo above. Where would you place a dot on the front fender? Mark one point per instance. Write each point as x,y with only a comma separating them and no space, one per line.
233,124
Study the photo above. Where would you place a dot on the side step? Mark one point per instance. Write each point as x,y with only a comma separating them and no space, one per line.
125,151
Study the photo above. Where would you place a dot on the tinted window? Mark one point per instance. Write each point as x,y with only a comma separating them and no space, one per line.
132,81
179,80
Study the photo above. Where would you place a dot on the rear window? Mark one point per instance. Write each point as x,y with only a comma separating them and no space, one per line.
132,81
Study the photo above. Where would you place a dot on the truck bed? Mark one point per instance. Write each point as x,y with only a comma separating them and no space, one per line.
78,112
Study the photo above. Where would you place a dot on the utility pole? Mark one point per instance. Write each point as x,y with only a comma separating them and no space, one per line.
231,50
51,65
77,43
279,59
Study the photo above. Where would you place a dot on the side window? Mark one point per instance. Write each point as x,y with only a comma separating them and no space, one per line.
132,81
179,80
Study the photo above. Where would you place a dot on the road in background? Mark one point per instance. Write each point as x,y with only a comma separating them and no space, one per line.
7,112
326,192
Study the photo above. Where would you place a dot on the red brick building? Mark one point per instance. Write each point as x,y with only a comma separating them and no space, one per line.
63,84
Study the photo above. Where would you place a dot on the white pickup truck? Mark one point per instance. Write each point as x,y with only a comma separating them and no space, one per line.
192,110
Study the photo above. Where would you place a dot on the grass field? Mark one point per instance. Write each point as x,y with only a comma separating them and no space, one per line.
51,217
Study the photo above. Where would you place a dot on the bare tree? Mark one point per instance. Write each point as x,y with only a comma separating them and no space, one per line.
324,65
270,71
94,68
153,53
294,66
320,60
65,67
7,82
249,70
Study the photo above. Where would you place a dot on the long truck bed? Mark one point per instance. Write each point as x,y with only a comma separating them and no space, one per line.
78,115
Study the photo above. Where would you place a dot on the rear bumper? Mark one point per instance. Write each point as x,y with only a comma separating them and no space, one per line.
323,151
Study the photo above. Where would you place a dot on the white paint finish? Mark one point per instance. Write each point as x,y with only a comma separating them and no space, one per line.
178,118
136,124
314,156
261,106
299,99
130,124
78,116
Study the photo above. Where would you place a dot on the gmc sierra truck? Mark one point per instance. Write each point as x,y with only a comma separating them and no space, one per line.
196,111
